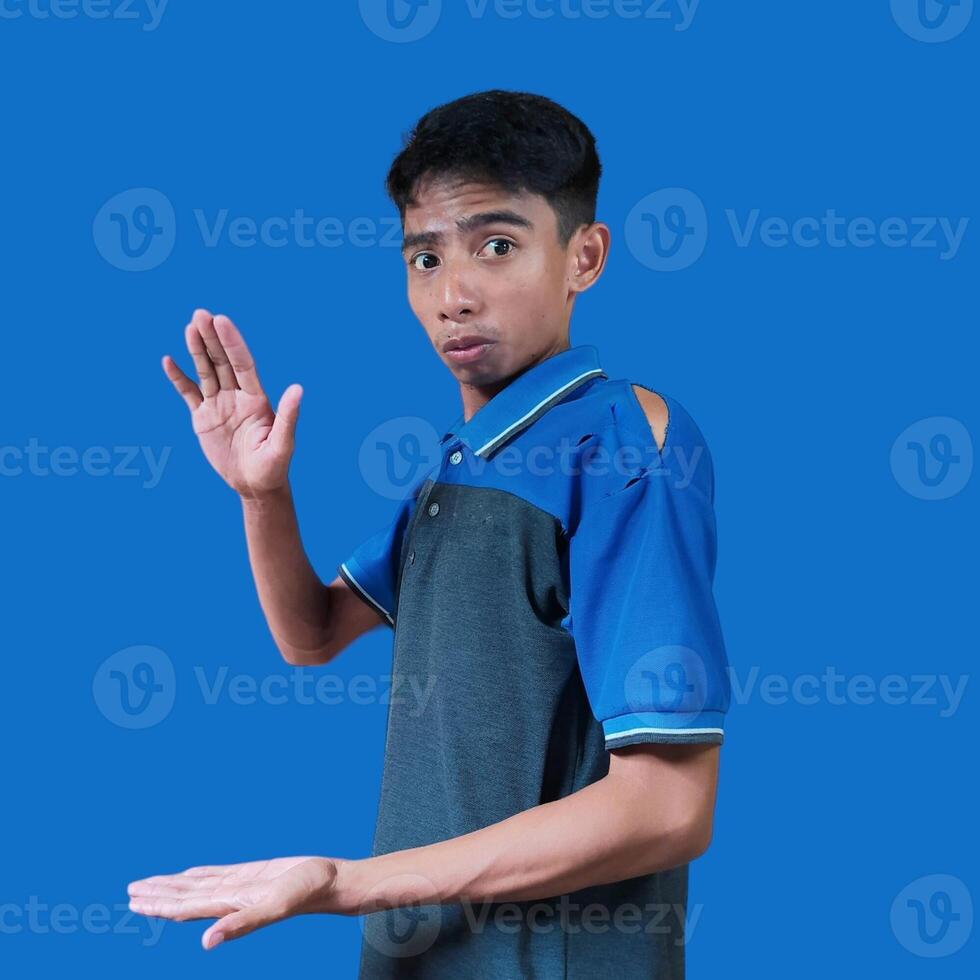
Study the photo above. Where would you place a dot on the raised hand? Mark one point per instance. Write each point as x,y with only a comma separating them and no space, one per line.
247,443
242,897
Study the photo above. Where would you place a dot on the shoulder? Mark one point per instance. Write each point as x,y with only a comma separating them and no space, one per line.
636,412
655,409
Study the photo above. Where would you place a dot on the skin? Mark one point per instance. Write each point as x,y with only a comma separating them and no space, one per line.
653,809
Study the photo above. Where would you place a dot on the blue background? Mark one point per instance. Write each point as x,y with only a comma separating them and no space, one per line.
801,365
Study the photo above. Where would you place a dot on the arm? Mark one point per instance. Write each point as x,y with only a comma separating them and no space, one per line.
309,621
250,447
653,810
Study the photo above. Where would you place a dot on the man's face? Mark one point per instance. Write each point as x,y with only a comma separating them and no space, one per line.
487,264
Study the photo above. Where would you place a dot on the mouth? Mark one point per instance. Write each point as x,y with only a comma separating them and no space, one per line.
463,350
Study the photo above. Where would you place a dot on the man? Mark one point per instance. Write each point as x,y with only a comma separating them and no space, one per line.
552,573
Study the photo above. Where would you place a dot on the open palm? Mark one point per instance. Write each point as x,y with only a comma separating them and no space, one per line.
243,897
247,443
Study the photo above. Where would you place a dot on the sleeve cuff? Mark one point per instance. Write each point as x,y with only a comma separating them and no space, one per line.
664,727
352,574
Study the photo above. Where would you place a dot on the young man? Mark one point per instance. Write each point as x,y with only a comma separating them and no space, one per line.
551,574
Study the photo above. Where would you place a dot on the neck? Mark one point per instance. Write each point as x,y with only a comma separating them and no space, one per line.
474,397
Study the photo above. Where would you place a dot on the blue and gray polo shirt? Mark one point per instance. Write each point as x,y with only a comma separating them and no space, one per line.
549,583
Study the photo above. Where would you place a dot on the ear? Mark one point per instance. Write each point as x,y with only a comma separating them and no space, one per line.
655,409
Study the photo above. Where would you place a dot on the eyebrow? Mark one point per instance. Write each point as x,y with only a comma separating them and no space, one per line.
468,224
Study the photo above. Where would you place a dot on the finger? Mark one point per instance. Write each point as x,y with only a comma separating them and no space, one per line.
185,387
204,870
242,362
183,909
237,924
217,353
192,876
205,369
283,435
171,886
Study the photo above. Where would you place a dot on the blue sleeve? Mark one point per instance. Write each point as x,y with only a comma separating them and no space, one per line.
643,614
371,571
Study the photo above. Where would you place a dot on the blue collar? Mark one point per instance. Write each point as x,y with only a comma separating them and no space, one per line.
526,399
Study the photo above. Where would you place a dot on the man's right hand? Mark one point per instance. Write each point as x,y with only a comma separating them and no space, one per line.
247,443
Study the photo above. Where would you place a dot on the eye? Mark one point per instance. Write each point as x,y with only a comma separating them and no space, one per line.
422,255
497,242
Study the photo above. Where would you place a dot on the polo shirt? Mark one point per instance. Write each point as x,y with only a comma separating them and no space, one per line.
549,584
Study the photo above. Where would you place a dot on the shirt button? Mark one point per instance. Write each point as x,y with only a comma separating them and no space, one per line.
456,457
411,558
433,509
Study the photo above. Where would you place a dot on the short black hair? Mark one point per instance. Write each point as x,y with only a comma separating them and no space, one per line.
518,141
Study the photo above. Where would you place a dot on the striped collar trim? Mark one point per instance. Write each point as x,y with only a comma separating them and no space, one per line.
526,399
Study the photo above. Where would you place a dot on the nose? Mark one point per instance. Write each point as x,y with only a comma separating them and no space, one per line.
458,300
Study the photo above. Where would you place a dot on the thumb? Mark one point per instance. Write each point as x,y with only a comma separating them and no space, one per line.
236,924
284,427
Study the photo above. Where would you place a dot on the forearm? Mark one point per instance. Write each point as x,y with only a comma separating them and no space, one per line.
608,831
293,598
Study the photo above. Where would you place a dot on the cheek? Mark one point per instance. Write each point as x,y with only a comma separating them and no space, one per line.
416,299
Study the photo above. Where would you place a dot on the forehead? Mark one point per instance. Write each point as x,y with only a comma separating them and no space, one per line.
452,208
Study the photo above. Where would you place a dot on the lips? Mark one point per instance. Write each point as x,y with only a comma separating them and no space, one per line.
461,343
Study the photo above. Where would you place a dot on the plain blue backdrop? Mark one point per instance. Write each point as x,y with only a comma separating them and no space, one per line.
804,349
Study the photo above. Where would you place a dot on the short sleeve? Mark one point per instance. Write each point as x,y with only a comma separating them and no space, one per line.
371,570
643,615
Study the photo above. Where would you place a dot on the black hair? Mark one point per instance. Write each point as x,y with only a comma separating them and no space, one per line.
518,141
